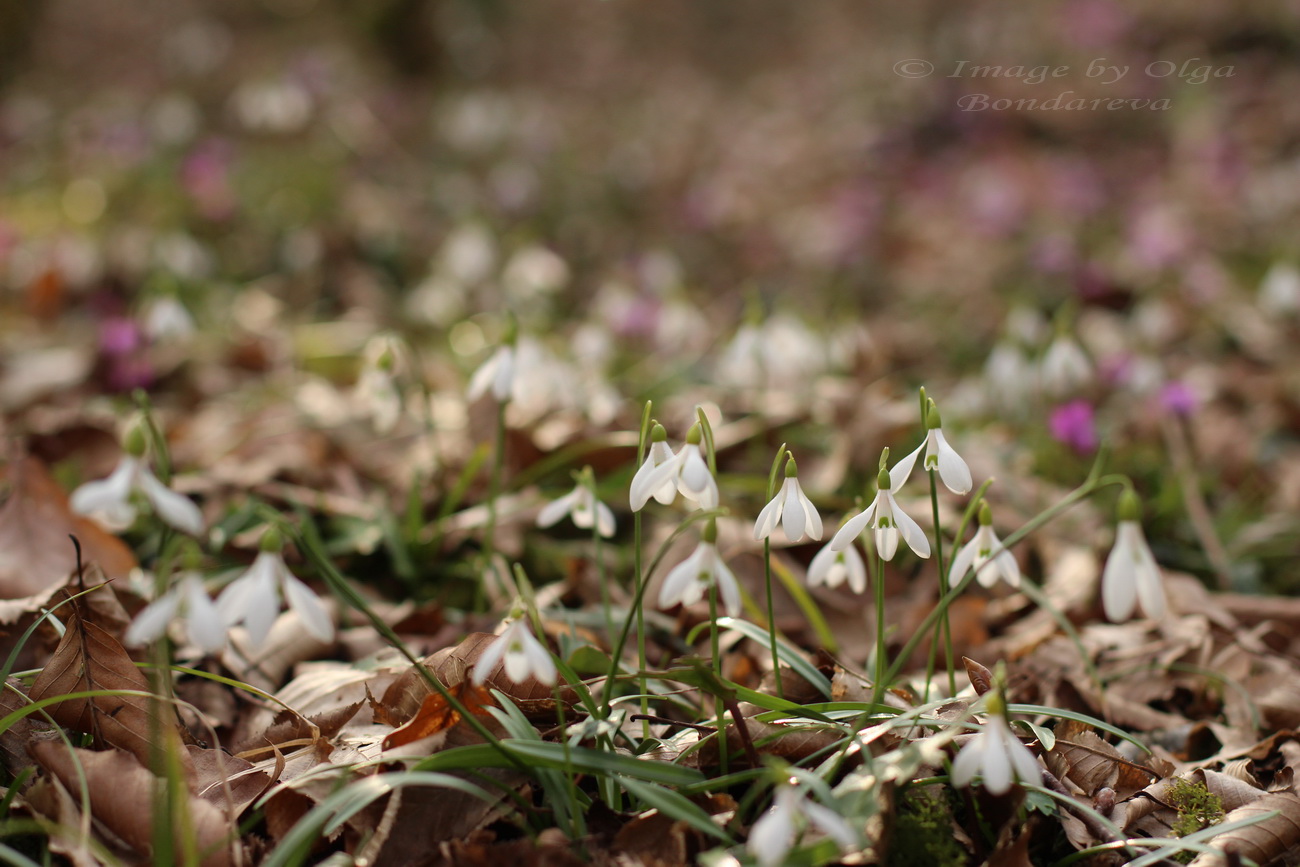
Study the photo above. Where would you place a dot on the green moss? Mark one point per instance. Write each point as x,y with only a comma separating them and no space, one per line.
1197,808
923,832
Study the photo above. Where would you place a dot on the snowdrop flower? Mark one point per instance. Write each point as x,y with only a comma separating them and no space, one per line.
1008,377
498,372
376,390
888,520
774,833
109,500
1279,291
657,476
254,598
1131,577
938,456
996,754
1065,367
985,548
202,623
792,508
582,505
696,483
833,568
167,319
686,583
524,655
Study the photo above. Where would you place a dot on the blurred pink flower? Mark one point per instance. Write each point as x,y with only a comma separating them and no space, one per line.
1073,424
119,335
1176,397
205,175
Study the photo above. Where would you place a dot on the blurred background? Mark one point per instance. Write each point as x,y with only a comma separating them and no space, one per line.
801,211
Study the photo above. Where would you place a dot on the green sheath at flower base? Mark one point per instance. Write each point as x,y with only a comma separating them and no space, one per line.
136,441
986,514
882,479
710,532
791,471
272,541
933,421
658,434
694,435
1129,507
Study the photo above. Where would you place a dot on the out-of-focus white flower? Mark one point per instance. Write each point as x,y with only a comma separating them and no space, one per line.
524,656
534,271
938,455
1008,377
377,391
889,522
253,599
832,568
985,554
1279,291
792,508
585,509
773,835
1131,577
657,475
1065,368
997,755
686,583
497,374
167,319
109,500
782,352
187,596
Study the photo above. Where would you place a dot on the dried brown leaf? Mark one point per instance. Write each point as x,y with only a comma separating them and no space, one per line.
980,677
89,658
436,715
227,782
1264,841
121,798
1091,763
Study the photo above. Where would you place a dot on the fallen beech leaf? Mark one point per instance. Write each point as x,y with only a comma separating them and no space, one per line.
89,658
1264,841
1091,763
227,782
35,522
122,796
436,715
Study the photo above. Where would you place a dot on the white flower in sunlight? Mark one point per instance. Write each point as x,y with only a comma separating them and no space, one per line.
187,596
581,504
998,756
497,373
688,580
888,521
985,548
254,600
938,456
833,568
792,508
109,500
696,483
1065,368
1131,577
524,656
773,835
657,475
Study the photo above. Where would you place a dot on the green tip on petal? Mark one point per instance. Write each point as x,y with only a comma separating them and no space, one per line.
710,532
790,469
1130,507
136,441
932,418
986,514
272,541
658,434
386,361
882,479
694,435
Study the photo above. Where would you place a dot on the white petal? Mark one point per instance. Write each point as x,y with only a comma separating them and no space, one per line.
680,579
483,378
232,602
997,765
902,470
772,836
491,655
605,525
886,542
108,496
1004,563
857,570
831,823
262,600
814,520
539,659
177,510
853,528
696,482
1022,761
728,589
308,606
1150,586
503,380
653,480
962,562
553,511
968,761
911,531
152,621
767,518
820,567
583,511
202,622
952,469
1119,578
792,516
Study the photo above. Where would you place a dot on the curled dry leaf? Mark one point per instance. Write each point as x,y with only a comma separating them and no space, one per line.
980,677
436,715
89,658
1265,841
121,798
1091,763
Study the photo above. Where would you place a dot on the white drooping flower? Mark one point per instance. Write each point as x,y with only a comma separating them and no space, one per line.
497,374
1131,578
889,523
524,656
773,835
657,475
938,456
792,509
253,599
695,482
997,755
1008,377
688,581
1065,367
832,568
108,500
985,554
581,504
377,392
203,624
